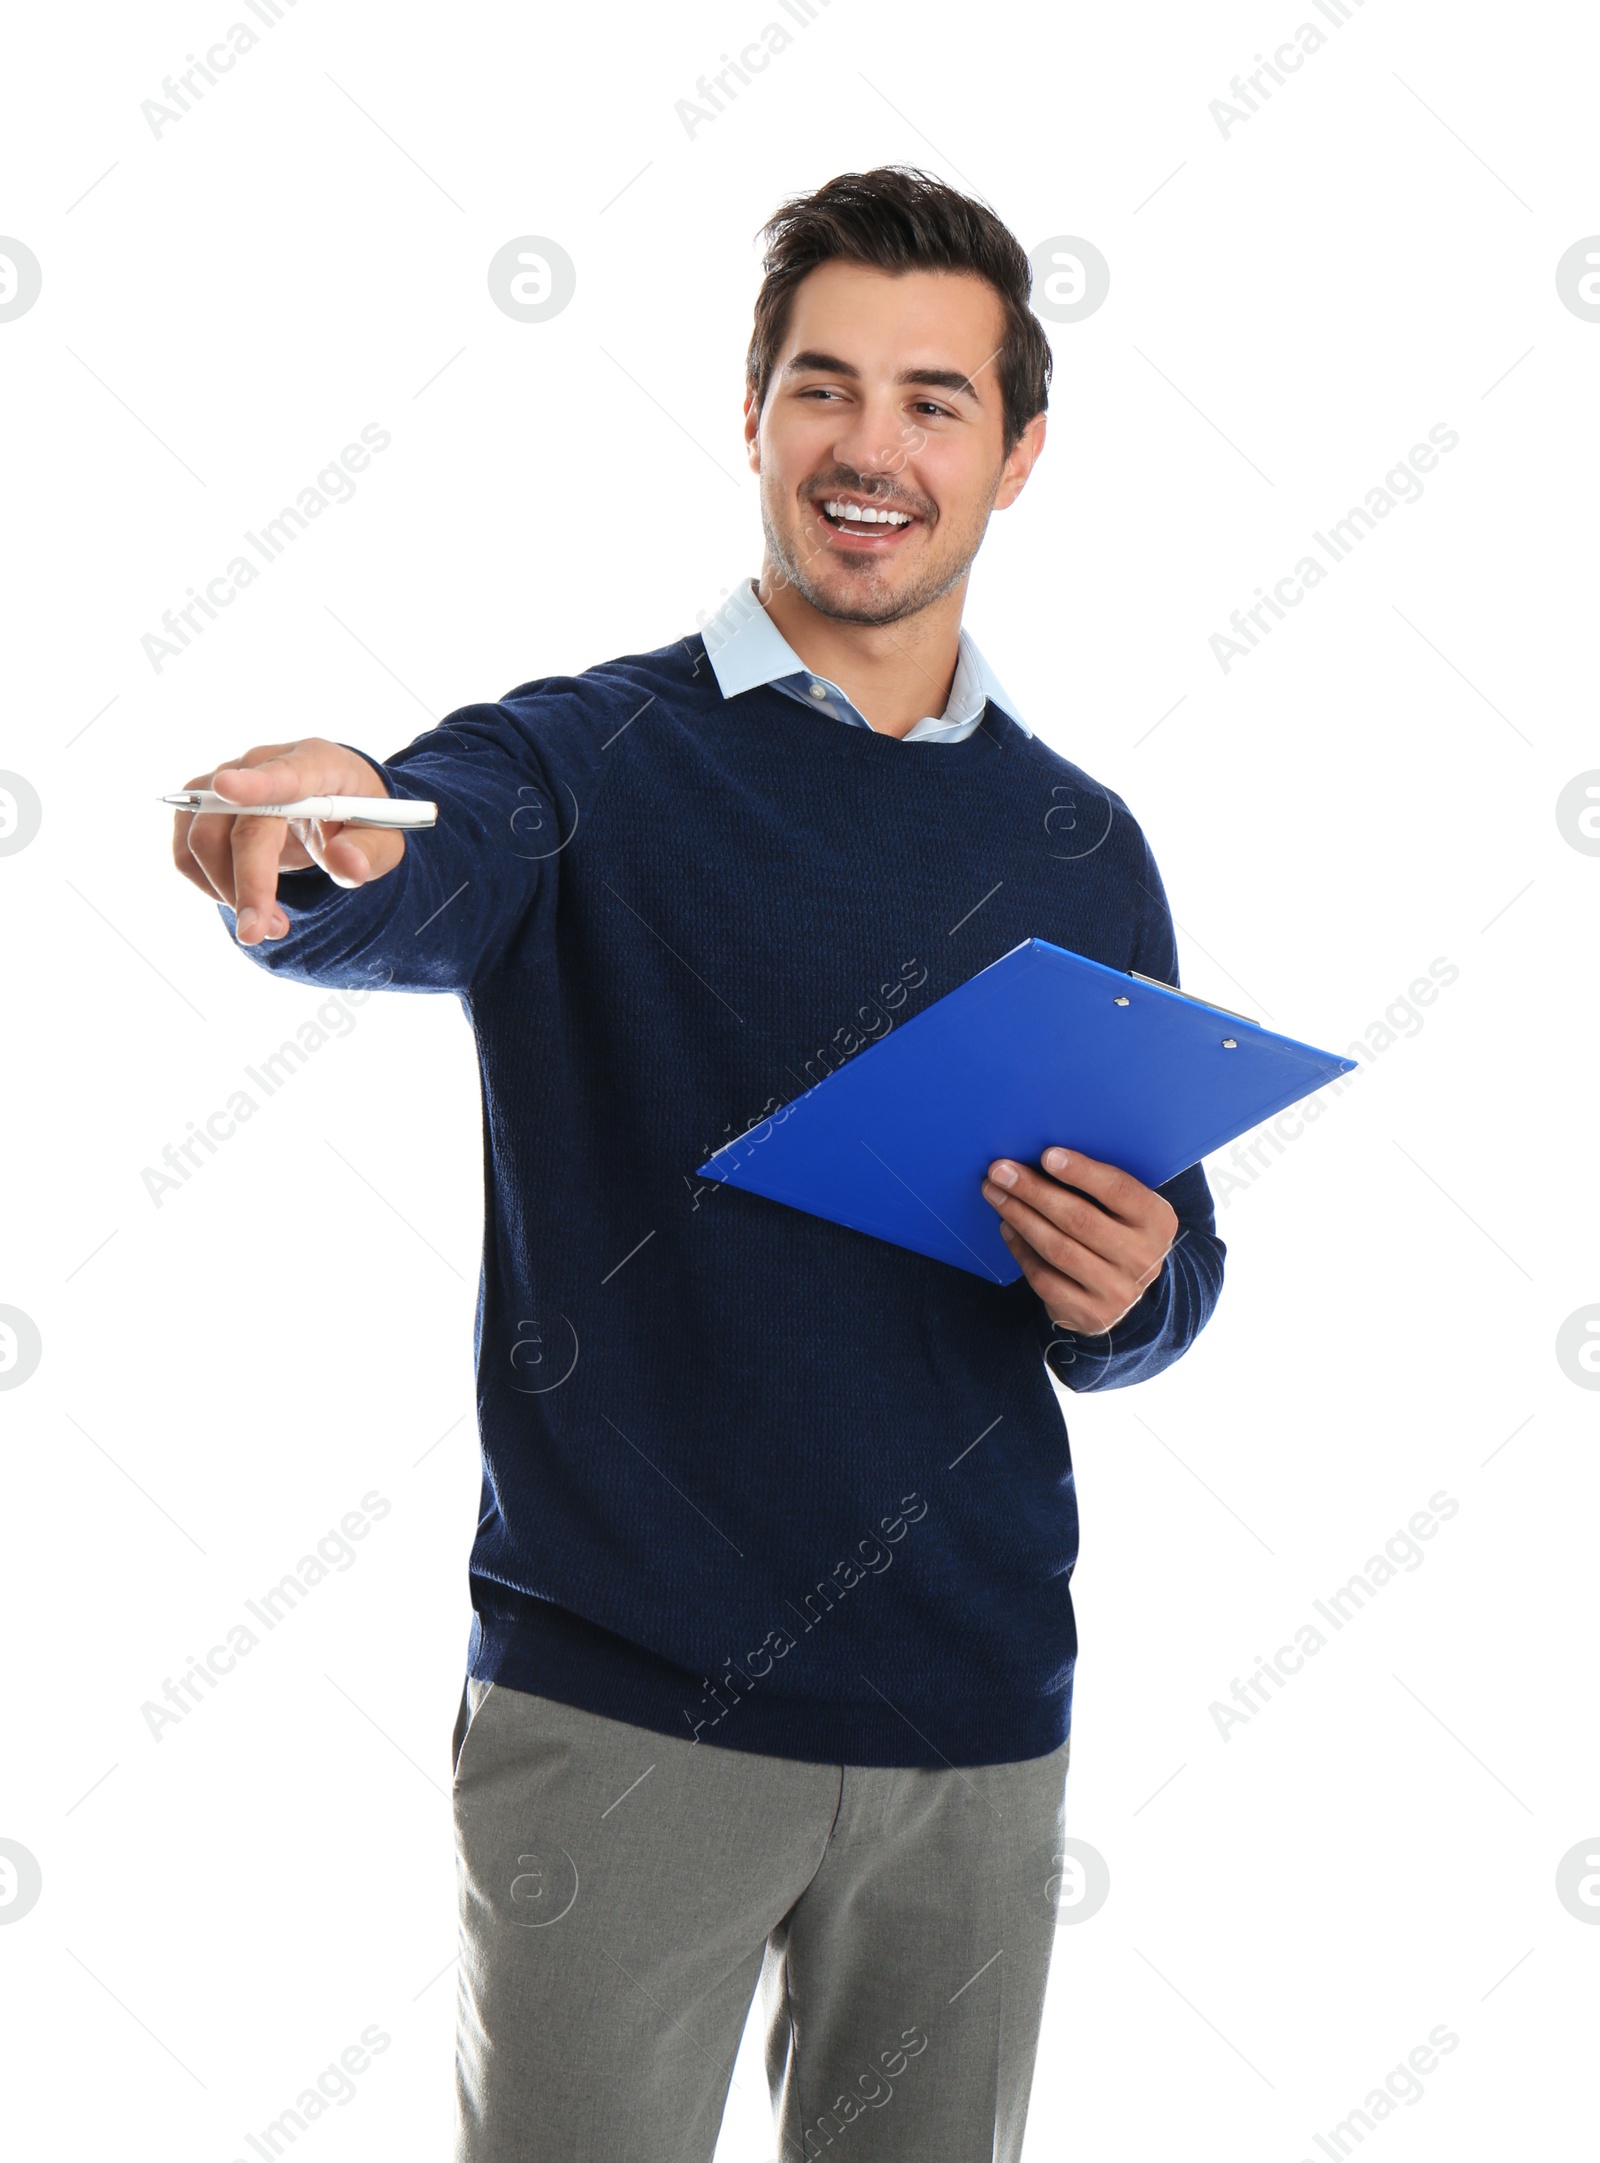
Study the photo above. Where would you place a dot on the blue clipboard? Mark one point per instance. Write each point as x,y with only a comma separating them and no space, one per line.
1042,1046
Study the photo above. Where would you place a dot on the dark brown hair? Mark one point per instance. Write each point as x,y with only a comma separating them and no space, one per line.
899,218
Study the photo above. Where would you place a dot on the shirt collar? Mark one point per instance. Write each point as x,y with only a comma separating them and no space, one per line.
746,650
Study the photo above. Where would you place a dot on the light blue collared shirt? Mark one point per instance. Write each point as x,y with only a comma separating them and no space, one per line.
746,649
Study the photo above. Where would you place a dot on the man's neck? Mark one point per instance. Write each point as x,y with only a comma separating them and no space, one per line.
892,673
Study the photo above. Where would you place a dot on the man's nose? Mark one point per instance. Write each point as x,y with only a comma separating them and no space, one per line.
872,441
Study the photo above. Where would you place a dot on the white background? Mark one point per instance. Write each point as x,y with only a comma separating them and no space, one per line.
1292,306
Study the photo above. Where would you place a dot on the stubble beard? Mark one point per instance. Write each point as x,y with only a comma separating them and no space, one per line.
935,583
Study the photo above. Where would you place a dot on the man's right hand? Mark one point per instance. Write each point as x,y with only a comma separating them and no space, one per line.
237,860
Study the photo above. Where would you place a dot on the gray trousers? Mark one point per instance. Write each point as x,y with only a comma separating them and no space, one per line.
623,1893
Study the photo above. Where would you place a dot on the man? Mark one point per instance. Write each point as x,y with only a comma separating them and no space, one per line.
771,1663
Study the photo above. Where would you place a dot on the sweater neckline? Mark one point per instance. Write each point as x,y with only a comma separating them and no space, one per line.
995,735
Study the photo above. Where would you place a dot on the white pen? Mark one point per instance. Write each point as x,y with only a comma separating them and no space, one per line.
391,811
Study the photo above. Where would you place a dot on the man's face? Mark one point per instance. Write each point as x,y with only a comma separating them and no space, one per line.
885,396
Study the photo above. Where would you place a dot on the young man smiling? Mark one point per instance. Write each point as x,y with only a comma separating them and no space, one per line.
770,1671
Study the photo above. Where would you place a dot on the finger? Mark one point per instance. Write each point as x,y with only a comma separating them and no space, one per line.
209,843
1116,1190
1092,1272
281,773
294,855
190,869
1070,1303
241,857
201,847
207,837
255,846
182,855
1093,1227
350,855
1065,1300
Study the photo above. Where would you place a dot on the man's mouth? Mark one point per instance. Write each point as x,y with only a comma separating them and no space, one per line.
872,527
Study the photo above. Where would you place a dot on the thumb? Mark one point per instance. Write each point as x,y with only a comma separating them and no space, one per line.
350,855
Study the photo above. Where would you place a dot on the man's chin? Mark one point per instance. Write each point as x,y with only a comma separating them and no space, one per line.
859,607
850,601
871,593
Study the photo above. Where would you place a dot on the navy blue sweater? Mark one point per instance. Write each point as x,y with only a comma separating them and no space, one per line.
731,1483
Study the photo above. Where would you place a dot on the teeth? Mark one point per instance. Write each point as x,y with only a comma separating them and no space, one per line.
866,516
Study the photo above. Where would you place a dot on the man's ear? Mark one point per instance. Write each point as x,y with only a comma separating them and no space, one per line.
752,430
1020,464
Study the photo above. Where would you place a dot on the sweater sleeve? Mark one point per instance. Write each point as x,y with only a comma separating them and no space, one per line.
1160,1327
468,893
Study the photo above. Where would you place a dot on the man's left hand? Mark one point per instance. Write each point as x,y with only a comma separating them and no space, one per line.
1089,1265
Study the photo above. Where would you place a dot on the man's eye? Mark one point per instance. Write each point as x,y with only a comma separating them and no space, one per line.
927,405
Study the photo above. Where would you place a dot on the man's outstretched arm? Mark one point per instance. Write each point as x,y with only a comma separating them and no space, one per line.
326,902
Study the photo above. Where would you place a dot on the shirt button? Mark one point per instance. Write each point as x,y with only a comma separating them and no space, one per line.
819,690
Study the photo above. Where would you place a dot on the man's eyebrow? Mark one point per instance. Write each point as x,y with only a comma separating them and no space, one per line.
823,363
948,379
